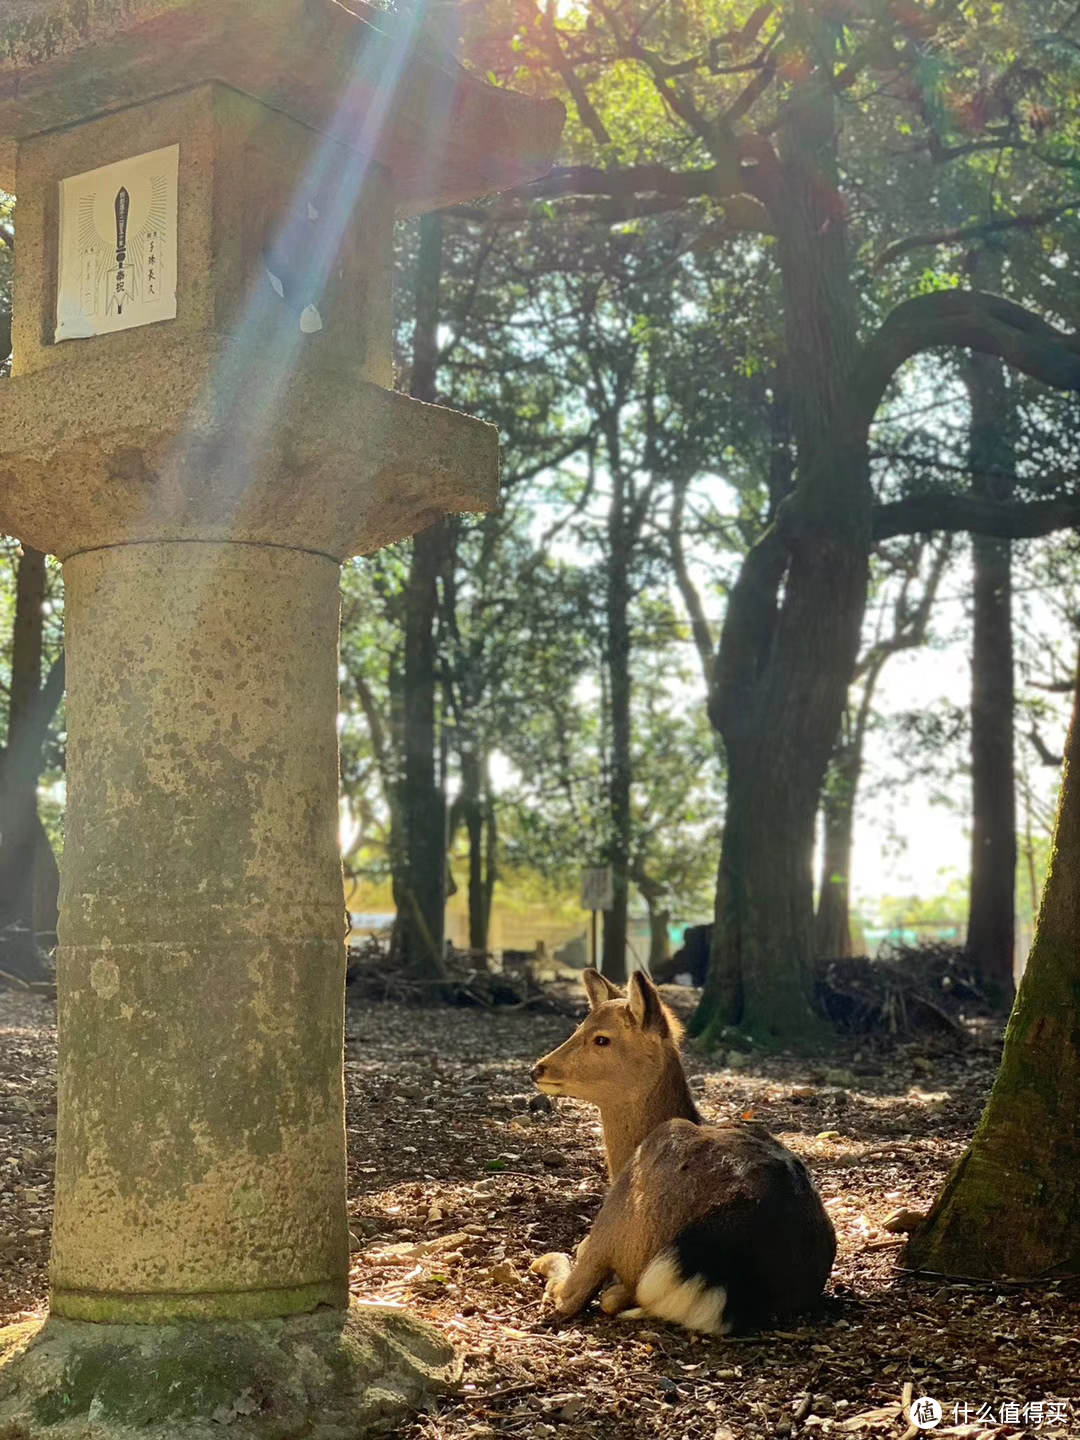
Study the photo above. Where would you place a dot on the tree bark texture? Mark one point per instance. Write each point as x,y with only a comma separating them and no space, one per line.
422,890
991,936
1011,1207
784,665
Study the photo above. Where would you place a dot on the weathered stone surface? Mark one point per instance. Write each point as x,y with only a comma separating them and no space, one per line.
354,1374
348,71
200,974
167,447
202,477
227,422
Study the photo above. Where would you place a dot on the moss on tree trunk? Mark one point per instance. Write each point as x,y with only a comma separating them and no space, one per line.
1011,1207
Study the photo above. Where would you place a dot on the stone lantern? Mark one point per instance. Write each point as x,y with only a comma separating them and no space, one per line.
198,425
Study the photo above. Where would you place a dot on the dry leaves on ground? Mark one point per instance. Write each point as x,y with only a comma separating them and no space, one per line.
459,1176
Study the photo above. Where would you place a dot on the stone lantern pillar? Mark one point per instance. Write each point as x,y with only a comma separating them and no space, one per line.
198,425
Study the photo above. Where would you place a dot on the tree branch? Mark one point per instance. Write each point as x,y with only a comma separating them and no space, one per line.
751,94
376,731
587,112
1007,520
964,319
732,187
1054,687
743,215
1046,755
691,597
958,234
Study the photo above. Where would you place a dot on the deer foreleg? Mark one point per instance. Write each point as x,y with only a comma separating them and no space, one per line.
572,1284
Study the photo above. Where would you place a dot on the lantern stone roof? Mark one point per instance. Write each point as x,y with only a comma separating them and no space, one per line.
366,77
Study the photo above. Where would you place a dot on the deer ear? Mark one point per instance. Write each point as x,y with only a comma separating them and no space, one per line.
598,989
645,1004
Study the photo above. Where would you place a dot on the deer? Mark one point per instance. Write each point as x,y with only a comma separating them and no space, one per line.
718,1228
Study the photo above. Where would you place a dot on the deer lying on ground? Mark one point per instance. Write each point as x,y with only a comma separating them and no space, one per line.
717,1227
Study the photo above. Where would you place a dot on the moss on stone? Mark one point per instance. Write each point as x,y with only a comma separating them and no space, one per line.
118,1382
353,1373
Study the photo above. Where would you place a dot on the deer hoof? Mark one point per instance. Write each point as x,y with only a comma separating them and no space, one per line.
555,1267
616,1299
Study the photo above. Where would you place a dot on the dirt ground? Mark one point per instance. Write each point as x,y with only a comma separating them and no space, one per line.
456,1184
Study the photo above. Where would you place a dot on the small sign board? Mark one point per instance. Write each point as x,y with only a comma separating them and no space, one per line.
598,888
117,263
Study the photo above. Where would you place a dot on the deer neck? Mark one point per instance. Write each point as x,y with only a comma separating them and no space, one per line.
626,1125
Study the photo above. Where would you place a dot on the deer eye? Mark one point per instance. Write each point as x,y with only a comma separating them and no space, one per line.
602,1040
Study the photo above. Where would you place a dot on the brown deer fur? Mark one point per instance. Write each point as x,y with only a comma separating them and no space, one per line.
716,1226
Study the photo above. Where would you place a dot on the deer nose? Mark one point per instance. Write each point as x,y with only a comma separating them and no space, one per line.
538,1071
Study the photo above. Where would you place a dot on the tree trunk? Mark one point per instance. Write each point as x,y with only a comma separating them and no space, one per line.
784,666
422,890
1011,1207
991,938
472,810
659,919
655,895
832,924
760,976
423,804
30,710
46,887
491,852
613,965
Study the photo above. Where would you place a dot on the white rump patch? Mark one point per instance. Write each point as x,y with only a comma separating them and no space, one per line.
662,1291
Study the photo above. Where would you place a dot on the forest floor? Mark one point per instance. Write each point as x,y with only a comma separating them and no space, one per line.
455,1184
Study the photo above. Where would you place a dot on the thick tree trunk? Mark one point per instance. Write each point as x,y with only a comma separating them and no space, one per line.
613,965
423,810
991,939
30,710
784,666
761,974
1011,1207
832,924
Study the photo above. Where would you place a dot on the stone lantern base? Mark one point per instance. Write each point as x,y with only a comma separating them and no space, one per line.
330,1375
